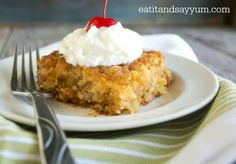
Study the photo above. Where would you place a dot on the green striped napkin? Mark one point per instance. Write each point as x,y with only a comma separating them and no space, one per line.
153,144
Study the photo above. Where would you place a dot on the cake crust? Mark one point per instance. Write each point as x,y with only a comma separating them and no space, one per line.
110,90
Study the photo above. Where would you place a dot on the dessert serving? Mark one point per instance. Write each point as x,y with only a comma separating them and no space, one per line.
103,66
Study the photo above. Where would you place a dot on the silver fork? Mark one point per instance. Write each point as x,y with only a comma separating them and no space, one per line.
52,141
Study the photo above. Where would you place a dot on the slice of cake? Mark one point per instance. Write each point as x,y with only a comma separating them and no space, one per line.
110,90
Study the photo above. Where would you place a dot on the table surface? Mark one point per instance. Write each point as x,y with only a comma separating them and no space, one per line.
215,47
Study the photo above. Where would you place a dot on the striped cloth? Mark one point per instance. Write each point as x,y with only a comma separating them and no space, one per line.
153,144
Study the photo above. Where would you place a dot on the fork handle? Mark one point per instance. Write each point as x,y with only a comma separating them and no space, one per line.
52,141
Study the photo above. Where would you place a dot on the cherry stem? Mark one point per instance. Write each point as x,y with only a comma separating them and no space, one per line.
104,8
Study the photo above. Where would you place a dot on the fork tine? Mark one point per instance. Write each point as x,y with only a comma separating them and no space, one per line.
14,78
32,82
37,52
23,77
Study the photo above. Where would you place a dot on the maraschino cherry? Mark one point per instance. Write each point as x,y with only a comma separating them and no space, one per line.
101,21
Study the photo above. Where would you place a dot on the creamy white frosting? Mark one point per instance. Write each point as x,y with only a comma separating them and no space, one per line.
107,46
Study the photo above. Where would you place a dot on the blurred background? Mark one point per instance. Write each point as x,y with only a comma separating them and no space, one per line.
74,11
211,35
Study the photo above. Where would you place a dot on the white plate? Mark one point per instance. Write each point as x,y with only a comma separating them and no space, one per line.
194,87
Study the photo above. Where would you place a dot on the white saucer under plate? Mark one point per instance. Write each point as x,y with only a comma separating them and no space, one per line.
194,87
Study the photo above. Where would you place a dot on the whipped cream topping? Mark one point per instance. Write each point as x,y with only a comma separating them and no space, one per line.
106,46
